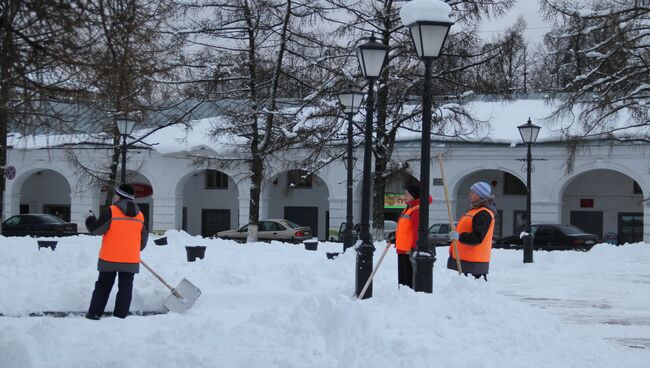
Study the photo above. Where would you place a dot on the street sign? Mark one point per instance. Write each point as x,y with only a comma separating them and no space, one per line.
10,172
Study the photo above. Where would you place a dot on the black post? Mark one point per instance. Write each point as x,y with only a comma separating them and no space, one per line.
422,260
123,158
366,249
348,240
528,239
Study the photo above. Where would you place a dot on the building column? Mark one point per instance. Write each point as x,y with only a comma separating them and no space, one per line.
438,211
243,200
546,211
178,213
244,209
80,204
338,212
265,201
11,205
164,212
646,221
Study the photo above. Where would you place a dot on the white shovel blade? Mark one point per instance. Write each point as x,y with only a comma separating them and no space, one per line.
188,295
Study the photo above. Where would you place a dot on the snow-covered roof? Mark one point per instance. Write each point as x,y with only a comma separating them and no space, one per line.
498,118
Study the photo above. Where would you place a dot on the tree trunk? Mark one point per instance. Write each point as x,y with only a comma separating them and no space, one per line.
112,178
6,61
257,169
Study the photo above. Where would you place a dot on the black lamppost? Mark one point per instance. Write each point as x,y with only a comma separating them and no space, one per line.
529,132
350,101
125,126
371,56
429,24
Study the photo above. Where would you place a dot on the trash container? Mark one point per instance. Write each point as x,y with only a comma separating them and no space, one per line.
47,244
311,244
332,255
195,252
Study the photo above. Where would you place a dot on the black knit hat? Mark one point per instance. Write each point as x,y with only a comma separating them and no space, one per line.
125,191
414,190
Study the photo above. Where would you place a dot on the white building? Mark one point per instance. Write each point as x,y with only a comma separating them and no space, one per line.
605,193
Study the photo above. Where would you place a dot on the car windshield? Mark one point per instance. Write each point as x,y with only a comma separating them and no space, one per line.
570,230
49,219
292,224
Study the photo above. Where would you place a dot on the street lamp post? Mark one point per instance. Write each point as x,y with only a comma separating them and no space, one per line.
529,132
371,56
125,126
429,24
350,101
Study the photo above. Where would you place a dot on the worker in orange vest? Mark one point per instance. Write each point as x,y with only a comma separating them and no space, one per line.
406,235
125,235
474,233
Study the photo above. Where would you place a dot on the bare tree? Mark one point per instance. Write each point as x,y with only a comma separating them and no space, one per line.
37,39
401,78
265,51
606,68
506,72
131,64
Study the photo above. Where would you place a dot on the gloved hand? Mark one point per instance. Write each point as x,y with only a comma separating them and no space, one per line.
88,214
391,238
453,235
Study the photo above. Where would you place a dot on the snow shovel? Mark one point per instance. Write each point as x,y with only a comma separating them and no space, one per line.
454,244
372,275
183,296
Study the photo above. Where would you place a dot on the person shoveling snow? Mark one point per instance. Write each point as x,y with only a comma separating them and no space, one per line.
124,237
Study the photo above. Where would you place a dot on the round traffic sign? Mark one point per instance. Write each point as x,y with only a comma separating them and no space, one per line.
10,172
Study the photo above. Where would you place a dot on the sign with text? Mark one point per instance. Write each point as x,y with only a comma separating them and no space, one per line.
141,190
587,202
394,200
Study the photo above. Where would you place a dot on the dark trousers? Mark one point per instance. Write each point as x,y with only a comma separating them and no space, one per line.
404,270
102,291
477,276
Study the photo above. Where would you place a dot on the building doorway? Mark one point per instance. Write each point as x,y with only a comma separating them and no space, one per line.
589,221
304,216
213,221
630,227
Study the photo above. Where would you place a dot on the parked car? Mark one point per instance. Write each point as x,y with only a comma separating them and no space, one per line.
551,236
37,224
389,230
439,235
271,229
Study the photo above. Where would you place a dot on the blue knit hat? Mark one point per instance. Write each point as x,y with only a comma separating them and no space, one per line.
482,189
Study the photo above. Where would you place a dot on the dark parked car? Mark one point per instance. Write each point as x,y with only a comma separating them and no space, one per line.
551,236
37,224
389,230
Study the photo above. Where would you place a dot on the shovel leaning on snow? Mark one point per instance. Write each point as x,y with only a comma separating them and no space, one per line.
183,296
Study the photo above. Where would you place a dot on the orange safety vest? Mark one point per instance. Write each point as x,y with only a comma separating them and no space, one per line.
474,253
121,243
404,239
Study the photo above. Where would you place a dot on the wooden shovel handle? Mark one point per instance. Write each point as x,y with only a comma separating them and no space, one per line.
374,271
454,244
158,277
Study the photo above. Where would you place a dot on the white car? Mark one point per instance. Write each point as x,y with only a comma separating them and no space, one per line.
271,229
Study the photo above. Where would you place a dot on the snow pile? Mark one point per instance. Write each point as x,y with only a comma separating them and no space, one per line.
278,305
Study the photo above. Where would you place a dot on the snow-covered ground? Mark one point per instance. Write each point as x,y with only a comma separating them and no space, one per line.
279,305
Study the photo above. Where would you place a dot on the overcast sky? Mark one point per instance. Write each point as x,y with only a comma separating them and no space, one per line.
529,9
